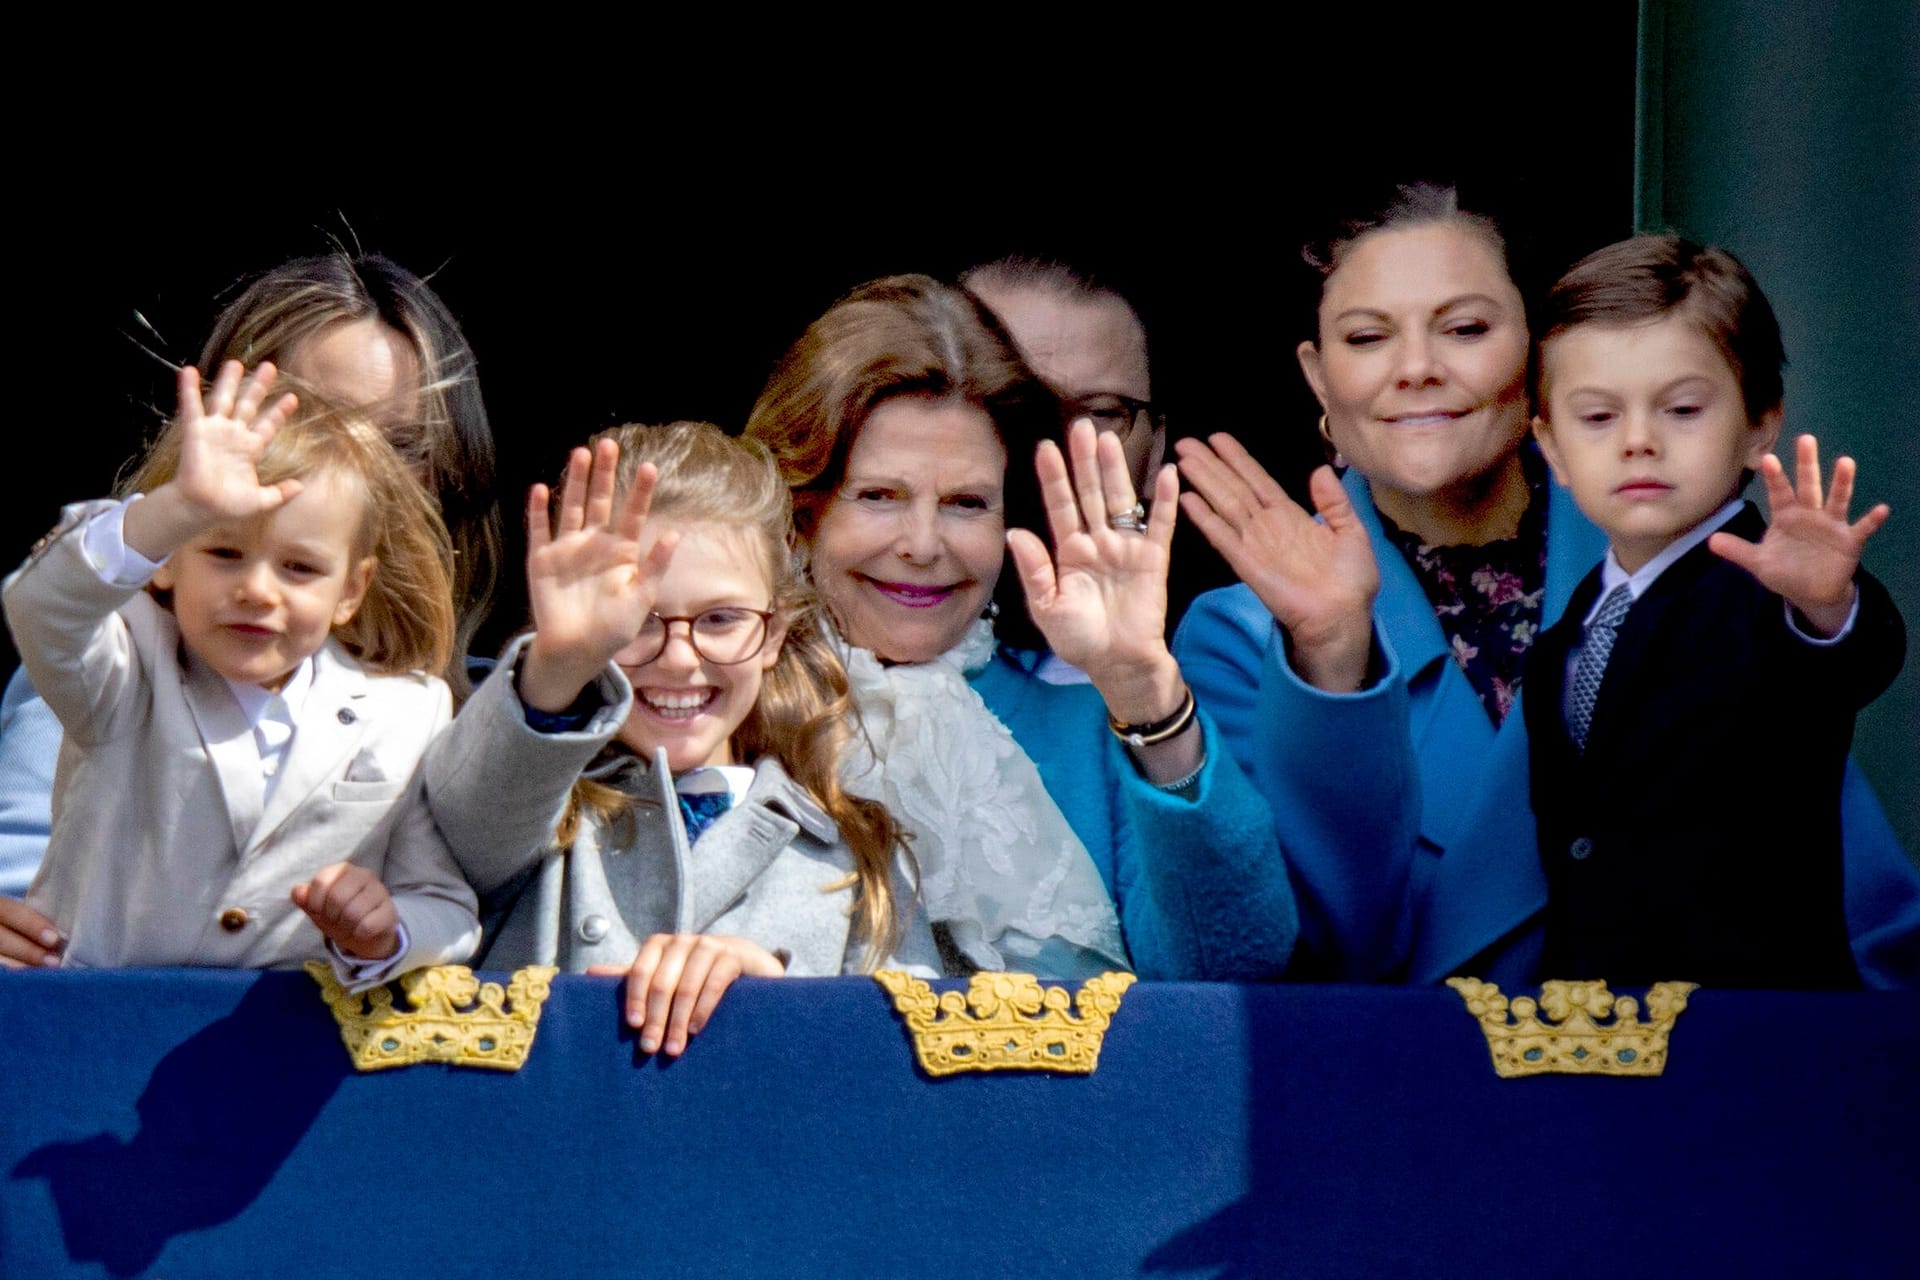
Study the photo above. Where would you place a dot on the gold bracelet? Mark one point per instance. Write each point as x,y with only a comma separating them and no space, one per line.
1145,735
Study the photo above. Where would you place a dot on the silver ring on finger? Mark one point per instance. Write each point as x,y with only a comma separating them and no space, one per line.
1132,520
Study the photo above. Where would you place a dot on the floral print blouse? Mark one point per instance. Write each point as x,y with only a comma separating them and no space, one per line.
1488,598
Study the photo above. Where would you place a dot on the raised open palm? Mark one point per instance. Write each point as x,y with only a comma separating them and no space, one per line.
1318,578
222,439
1810,551
591,580
1101,597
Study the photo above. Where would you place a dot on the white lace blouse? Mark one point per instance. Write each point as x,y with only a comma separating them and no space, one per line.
1000,867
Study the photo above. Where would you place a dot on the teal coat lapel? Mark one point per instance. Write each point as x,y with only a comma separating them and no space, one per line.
1486,881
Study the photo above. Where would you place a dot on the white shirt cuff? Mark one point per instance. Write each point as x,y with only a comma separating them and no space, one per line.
356,974
1846,628
104,545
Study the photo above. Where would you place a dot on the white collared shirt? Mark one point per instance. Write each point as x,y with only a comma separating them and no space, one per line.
103,544
734,779
273,718
1055,669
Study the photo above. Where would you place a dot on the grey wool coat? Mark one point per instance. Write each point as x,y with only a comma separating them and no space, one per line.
772,869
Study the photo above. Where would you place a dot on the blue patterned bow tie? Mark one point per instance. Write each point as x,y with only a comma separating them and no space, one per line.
701,810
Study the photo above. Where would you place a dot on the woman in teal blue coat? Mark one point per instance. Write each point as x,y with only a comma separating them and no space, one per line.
1366,671
1061,828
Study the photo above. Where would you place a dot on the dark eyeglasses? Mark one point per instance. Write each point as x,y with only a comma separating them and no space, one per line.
723,636
1110,411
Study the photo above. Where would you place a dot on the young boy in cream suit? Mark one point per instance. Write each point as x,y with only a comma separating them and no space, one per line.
237,786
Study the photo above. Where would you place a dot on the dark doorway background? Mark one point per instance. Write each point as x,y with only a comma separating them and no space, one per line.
638,263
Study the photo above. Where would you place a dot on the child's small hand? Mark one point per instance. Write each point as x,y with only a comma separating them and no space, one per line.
223,437
589,585
353,909
1810,552
677,980
221,440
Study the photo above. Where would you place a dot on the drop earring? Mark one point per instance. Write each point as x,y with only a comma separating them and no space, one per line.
1337,458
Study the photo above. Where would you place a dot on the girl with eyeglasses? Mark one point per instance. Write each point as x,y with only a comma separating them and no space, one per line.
649,784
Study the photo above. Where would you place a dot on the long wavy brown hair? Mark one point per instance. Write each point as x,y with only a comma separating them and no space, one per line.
805,717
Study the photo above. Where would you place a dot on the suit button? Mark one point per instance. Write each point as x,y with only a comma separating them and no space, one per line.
233,919
593,928
1580,849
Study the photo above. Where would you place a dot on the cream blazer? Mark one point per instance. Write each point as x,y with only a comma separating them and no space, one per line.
163,852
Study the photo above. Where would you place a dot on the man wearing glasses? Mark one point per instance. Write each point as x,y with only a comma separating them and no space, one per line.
1085,342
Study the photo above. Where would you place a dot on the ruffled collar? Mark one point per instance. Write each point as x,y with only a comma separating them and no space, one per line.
969,657
1000,867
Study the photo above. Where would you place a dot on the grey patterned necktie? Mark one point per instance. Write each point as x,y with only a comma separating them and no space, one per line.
1593,662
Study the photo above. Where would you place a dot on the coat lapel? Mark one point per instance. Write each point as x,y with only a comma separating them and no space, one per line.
660,885
1575,546
1475,807
746,839
1548,662
333,721
228,739
1402,609
1643,628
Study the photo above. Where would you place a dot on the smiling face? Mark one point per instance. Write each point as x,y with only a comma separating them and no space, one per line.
683,702
1647,426
255,597
1421,365
907,551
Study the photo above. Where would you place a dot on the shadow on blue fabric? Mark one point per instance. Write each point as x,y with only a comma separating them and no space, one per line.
218,1117
1780,1141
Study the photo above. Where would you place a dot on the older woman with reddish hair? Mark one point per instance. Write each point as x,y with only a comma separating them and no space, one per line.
916,445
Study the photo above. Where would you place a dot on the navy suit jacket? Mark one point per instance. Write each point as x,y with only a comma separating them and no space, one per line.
1665,853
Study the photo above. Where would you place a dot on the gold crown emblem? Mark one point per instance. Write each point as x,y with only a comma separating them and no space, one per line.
1575,1042
1006,1022
454,1018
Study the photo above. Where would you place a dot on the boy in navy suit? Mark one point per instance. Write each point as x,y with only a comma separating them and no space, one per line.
1708,649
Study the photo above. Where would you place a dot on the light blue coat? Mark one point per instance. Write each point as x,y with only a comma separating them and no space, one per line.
1417,856
29,744
1196,875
